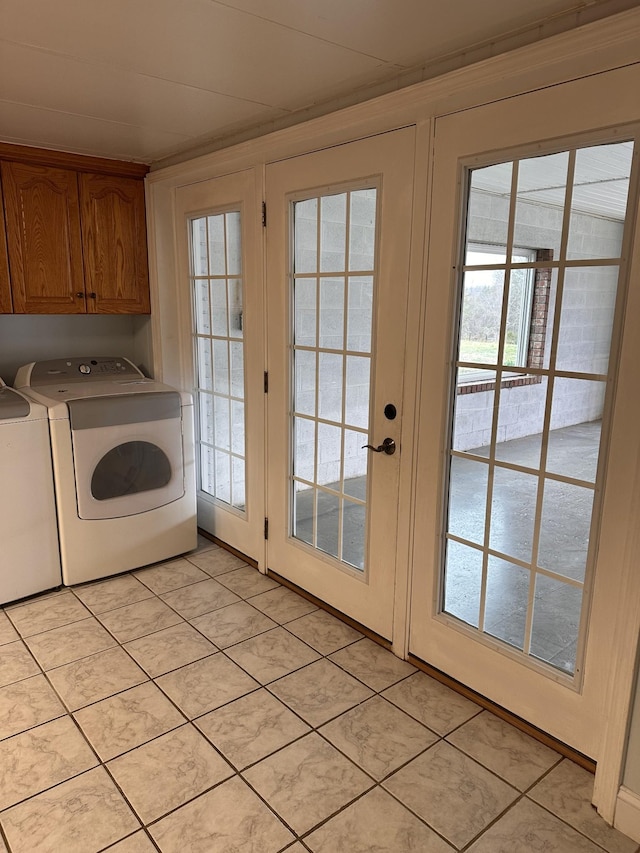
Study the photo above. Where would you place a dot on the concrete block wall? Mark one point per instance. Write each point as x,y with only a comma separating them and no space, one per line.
348,283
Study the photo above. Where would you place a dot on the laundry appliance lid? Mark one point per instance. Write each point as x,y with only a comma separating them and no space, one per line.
59,381
12,404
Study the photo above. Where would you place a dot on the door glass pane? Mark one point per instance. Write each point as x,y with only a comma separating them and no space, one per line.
332,313
486,208
359,313
330,386
354,468
473,413
530,378
602,170
586,319
216,282
305,215
481,309
513,512
564,528
463,582
542,183
333,232
357,391
556,622
520,423
576,423
362,229
467,499
505,613
333,317
305,312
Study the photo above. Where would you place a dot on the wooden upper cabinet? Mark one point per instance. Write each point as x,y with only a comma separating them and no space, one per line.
43,239
114,240
6,305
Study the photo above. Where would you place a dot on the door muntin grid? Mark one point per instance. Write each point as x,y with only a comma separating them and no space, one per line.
218,310
332,279
523,487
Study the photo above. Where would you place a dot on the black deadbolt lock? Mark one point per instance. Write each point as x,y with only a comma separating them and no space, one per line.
390,412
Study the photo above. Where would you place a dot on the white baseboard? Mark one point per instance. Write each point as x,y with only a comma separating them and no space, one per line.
627,817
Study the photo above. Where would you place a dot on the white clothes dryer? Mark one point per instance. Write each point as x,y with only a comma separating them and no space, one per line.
29,551
123,459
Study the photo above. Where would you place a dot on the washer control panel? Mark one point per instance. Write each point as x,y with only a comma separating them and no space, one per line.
81,369
112,367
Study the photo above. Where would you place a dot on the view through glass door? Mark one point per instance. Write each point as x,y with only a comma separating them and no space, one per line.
223,354
529,394
537,308
338,253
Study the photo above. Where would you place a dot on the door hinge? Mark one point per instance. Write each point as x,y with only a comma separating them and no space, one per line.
264,214
266,528
266,382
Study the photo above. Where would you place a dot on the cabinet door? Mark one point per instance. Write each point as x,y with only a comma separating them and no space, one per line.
6,306
43,238
115,244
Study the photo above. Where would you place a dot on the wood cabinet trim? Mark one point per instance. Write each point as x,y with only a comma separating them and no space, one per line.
75,162
6,304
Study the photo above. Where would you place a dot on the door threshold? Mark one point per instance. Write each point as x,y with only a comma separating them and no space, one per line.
525,727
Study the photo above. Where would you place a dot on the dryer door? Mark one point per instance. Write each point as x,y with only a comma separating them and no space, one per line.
128,454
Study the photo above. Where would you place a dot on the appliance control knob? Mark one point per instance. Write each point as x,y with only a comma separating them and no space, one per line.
84,368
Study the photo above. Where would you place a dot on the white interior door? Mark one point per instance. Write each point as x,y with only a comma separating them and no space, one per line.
529,407
222,353
338,239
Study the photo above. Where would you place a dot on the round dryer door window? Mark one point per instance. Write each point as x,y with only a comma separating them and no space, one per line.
129,468
127,453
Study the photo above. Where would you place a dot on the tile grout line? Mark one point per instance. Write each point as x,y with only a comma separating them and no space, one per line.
189,721
299,838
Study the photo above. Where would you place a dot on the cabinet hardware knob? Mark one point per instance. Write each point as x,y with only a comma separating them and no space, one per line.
93,295
79,295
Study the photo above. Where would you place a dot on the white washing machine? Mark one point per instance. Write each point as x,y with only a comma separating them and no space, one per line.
29,552
123,461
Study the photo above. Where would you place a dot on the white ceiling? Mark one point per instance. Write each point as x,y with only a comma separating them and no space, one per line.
146,79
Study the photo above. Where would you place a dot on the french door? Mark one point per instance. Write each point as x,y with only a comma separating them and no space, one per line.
221,302
528,414
338,238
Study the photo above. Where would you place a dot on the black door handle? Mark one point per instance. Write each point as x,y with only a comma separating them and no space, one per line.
388,446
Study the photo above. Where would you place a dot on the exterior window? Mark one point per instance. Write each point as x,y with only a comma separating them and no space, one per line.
525,320
480,326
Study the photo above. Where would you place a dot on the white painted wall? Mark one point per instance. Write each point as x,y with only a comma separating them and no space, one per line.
36,337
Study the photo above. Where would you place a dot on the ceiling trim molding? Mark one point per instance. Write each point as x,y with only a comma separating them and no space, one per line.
590,49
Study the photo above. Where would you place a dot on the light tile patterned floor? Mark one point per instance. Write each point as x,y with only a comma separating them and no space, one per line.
198,707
